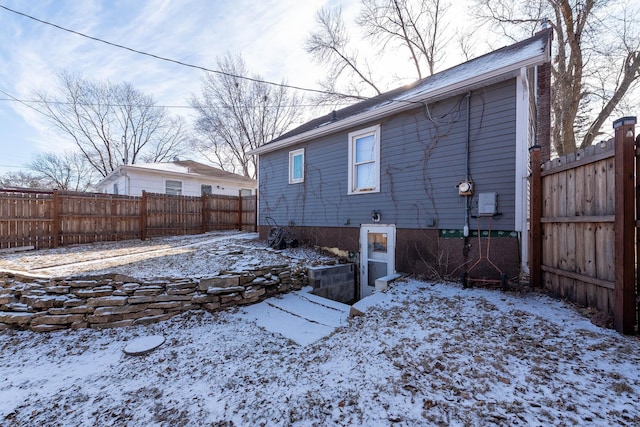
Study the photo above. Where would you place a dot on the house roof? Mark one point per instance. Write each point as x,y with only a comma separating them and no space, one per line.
499,65
182,167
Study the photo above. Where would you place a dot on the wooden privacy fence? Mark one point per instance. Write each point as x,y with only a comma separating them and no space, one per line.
583,226
48,219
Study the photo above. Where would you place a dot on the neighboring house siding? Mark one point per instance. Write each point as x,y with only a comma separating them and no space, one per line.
421,163
121,184
148,183
135,182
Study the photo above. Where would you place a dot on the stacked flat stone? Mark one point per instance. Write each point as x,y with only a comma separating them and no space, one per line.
109,301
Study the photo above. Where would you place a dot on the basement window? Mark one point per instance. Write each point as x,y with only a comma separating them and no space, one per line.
364,161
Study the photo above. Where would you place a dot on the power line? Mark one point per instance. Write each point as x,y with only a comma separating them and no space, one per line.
26,104
323,92
35,101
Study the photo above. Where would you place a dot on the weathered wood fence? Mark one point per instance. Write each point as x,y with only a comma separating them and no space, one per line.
584,226
48,219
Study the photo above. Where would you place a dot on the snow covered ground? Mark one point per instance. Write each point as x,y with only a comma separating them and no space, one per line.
423,354
180,256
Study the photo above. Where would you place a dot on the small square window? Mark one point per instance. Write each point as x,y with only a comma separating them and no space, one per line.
364,161
173,187
206,189
296,166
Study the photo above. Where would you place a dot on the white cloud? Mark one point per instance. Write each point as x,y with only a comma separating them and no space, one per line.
270,35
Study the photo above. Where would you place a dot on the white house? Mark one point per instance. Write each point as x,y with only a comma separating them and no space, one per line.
182,177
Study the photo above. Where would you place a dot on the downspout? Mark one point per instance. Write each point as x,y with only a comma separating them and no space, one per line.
467,167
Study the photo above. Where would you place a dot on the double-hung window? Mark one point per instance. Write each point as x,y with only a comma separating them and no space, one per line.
364,160
296,166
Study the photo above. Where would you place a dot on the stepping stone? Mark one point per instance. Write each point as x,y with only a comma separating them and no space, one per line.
143,345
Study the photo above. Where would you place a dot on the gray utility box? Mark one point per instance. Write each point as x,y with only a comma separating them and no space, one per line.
487,204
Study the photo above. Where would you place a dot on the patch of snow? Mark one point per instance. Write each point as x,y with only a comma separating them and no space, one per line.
144,345
422,354
178,256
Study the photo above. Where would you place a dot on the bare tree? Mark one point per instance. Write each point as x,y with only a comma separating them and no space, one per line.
112,124
22,179
415,26
236,115
596,60
329,45
67,171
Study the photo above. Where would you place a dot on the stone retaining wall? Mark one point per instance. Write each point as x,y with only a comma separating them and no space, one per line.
42,304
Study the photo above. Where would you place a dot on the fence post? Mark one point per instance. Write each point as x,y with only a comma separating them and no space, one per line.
204,213
255,212
535,215
624,256
240,210
55,228
143,216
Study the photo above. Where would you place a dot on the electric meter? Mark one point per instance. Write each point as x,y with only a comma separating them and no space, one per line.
465,188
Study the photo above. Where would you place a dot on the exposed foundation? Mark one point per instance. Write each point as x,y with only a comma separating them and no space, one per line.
430,252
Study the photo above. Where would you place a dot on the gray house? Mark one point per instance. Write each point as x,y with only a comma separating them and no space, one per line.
404,181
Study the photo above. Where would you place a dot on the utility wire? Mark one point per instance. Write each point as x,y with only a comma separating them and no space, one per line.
180,62
25,103
34,101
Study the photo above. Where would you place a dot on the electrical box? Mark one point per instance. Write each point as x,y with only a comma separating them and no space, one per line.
487,204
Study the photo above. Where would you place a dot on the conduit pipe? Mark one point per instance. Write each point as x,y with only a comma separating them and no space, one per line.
467,202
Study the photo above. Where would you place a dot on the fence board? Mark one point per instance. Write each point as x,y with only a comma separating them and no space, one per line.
44,219
578,194
173,215
24,219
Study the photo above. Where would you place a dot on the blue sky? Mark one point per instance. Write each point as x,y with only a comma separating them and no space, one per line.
269,34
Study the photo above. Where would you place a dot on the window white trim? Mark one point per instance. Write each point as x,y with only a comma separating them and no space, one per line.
353,187
171,187
293,179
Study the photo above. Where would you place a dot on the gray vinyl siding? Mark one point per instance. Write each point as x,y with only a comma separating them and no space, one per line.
422,161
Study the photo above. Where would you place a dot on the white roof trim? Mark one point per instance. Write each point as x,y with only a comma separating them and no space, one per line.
122,169
408,102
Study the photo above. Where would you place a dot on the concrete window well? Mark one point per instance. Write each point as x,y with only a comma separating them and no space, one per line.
335,282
